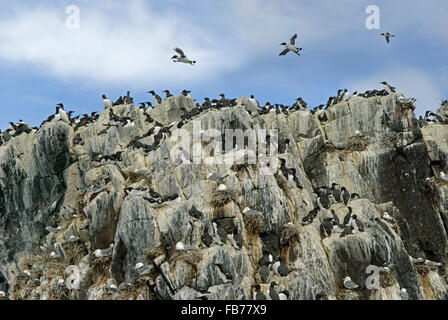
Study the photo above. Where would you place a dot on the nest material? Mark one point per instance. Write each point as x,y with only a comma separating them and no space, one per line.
356,143
329,146
153,253
75,250
387,279
190,257
54,268
345,294
223,197
59,293
238,167
424,269
253,223
289,235
101,265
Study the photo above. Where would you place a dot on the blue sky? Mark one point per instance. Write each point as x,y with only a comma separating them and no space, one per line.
126,45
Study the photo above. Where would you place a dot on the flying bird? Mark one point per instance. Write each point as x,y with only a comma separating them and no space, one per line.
388,87
181,57
290,46
387,35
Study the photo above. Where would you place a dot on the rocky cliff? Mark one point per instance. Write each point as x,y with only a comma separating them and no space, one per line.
130,190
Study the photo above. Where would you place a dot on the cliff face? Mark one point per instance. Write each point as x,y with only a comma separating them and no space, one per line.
47,177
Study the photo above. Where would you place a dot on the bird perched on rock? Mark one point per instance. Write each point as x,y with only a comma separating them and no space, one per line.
107,103
404,294
266,259
215,177
156,97
387,217
282,269
284,295
349,283
326,227
143,269
345,195
24,274
348,216
348,230
272,293
181,246
168,94
443,177
247,210
258,295
98,253
387,35
290,46
181,57
357,225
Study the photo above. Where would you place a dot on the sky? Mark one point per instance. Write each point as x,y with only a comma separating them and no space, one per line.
52,53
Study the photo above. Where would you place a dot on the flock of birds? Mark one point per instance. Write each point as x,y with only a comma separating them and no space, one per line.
214,234
289,47
16,129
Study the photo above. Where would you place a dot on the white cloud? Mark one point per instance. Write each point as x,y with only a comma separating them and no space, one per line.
116,43
411,82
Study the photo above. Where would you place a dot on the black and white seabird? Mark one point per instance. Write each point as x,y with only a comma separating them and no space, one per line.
280,268
168,94
181,57
348,216
336,192
290,46
284,295
345,195
389,89
326,227
348,230
107,103
387,35
272,293
344,95
266,259
156,97
357,225
258,295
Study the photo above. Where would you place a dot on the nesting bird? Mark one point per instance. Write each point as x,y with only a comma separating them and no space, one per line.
143,269
98,253
349,283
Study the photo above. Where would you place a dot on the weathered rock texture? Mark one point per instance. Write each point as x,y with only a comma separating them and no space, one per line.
44,173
